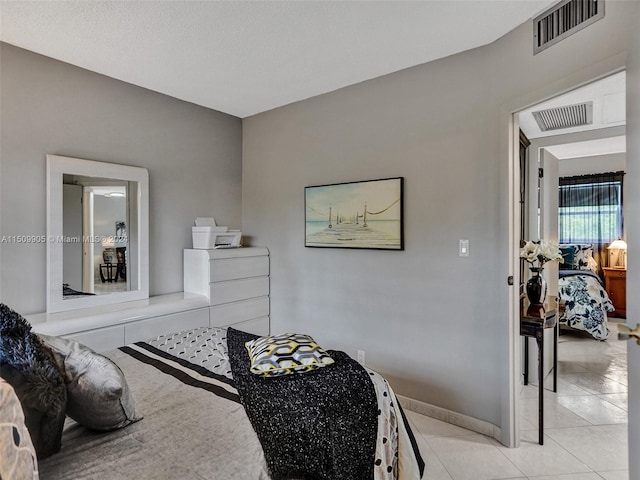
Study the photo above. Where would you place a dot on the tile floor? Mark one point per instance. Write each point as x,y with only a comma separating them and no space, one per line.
109,287
585,425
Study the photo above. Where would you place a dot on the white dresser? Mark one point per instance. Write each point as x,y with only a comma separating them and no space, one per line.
236,282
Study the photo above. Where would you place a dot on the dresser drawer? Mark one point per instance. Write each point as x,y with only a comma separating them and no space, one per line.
145,329
257,326
230,313
236,268
234,290
101,339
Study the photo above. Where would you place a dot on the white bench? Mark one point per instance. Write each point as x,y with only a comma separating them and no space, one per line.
105,330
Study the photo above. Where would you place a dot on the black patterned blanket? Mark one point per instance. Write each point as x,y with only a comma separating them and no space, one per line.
297,416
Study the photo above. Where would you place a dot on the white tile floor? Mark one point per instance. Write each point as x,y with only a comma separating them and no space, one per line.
109,287
585,425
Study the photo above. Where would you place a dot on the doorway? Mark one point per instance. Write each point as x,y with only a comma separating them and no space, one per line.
592,373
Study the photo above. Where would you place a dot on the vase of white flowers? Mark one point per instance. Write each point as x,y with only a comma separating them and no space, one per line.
537,254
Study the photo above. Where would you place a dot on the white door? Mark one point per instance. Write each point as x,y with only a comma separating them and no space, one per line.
544,225
549,211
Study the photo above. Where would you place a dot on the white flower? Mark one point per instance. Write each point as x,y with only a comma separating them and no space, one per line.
549,251
529,252
542,251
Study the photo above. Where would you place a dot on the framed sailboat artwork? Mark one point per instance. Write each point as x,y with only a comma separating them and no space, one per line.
365,214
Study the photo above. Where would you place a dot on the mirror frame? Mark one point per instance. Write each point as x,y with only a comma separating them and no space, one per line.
57,166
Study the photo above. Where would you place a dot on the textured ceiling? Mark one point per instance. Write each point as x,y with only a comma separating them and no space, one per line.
246,57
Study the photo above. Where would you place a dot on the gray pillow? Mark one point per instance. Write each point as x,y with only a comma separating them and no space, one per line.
98,395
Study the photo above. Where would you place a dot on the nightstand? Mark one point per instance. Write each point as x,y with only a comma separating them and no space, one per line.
615,280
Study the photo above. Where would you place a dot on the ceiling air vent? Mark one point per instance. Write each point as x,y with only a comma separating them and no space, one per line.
565,117
564,19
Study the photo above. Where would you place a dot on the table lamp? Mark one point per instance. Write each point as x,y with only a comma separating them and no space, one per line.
618,254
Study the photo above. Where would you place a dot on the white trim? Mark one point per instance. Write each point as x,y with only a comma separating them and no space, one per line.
449,416
512,429
57,166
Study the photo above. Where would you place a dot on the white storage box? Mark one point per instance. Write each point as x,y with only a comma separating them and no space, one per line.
215,237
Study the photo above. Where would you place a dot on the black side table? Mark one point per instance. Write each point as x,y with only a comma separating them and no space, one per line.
109,272
533,323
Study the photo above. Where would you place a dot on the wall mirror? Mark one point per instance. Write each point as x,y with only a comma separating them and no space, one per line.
97,234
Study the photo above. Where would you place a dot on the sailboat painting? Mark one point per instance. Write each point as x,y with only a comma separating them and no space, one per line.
364,214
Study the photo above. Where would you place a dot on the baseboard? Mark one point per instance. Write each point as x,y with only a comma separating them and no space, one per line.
448,416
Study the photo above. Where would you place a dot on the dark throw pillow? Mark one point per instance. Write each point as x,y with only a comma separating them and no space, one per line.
27,366
567,252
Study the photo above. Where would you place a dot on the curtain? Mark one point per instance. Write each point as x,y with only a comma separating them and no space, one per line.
590,212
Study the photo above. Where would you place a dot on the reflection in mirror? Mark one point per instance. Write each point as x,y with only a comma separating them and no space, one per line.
94,217
97,248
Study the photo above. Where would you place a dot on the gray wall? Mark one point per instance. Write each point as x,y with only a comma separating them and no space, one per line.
193,154
72,226
434,323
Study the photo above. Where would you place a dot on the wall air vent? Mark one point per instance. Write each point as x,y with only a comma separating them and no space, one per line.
565,117
564,19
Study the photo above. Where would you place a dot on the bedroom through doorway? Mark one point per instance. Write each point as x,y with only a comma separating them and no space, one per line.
573,159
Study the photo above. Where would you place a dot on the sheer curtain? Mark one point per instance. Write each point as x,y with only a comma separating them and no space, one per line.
591,212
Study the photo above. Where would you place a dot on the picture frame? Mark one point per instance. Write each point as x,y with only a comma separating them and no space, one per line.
366,214
121,229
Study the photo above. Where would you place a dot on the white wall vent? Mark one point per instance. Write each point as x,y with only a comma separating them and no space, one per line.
564,117
564,19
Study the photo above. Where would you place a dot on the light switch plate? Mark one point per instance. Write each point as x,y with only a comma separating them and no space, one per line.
463,250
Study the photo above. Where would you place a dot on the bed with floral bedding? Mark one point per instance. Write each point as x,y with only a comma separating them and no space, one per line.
581,292
585,301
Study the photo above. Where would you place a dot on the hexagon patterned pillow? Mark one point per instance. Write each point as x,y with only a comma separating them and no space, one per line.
285,354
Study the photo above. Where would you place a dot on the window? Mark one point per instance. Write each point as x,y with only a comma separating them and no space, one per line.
590,208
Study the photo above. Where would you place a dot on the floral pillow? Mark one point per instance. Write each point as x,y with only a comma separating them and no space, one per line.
582,256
